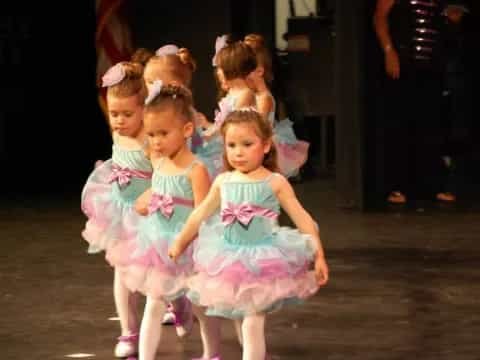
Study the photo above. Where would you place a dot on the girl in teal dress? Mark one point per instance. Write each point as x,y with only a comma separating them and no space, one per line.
246,264
179,183
111,190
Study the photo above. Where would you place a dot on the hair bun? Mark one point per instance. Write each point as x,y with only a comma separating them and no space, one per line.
187,58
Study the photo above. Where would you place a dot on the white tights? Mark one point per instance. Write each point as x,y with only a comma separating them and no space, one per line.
253,330
209,332
126,305
151,330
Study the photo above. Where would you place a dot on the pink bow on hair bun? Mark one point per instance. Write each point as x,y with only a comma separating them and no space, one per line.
169,49
154,91
113,76
220,43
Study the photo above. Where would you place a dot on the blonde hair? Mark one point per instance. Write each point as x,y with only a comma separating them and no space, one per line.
181,65
262,128
257,43
236,60
175,96
132,84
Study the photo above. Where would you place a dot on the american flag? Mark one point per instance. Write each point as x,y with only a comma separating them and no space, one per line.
112,39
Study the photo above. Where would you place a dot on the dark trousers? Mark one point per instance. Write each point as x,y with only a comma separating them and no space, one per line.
413,133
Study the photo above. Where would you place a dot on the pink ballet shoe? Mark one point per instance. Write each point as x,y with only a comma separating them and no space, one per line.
127,346
184,319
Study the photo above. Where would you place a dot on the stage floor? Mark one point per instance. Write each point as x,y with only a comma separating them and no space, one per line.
403,285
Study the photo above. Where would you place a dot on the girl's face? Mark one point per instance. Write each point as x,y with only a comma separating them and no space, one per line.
244,148
167,132
125,114
157,71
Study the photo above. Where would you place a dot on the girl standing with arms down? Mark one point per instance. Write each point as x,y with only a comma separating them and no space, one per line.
110,192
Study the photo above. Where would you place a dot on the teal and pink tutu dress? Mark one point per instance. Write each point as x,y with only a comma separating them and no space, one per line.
143,261
245,262
109,195
292,153
211,152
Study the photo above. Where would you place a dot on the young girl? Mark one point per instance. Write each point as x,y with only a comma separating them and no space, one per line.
292,153
179,183
248,265
172,64
234,62
111,190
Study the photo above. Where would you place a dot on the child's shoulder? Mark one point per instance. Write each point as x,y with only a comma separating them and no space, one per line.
198,169
279,182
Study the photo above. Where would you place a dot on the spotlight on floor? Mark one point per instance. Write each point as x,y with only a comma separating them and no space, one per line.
80,356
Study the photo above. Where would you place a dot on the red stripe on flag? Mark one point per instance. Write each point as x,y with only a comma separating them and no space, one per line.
105,9
114,54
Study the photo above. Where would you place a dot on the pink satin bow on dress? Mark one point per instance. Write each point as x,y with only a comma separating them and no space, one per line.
165,204
162,203
244,213
123,175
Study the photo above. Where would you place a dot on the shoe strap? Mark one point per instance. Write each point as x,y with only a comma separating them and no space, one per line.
128,338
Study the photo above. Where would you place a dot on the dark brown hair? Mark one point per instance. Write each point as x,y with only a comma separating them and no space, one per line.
236,60
257,43
181,65
262,128
132,84
173,95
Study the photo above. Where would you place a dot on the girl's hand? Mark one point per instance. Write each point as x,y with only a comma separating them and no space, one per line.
174,251
141,207
321,270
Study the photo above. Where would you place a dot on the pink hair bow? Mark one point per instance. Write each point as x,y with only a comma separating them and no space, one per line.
113,75
154,91
162,203
244,213
169,49
220,43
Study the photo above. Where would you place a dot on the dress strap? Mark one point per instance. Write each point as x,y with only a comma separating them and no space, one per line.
190,167
270,177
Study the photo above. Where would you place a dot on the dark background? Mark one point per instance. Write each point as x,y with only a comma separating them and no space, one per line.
52,130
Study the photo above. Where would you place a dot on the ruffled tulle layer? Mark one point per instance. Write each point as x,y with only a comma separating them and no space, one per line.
211,154
109,208
292,153
144,264
236,292
235,280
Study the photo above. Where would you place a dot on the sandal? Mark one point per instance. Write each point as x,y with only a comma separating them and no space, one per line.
396,197
446,197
